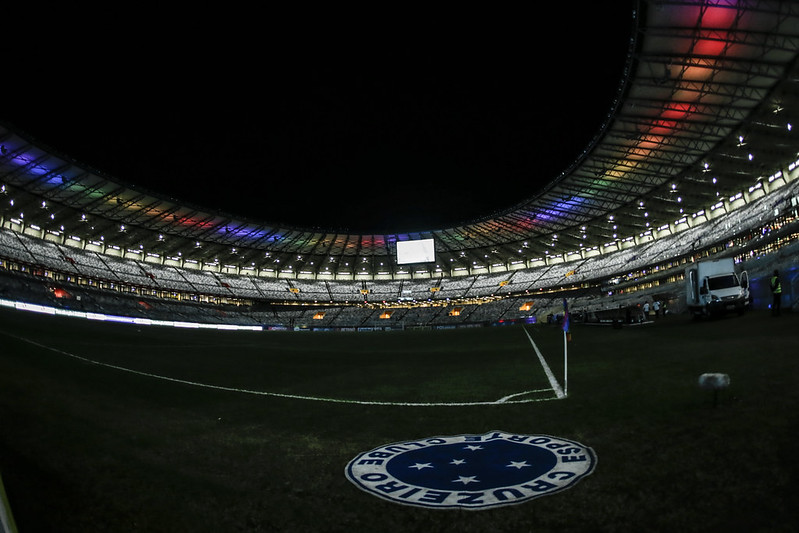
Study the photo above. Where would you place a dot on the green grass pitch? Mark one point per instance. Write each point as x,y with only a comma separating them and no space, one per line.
111,427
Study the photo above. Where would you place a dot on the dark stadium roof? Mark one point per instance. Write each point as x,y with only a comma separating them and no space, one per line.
703,113
392,137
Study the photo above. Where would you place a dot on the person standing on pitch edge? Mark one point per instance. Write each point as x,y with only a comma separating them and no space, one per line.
776,292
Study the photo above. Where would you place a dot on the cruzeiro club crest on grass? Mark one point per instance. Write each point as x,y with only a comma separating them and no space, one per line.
471,471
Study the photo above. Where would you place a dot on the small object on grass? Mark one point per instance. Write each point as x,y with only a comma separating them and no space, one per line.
714,381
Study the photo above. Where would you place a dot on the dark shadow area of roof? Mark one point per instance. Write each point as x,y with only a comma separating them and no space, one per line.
393,134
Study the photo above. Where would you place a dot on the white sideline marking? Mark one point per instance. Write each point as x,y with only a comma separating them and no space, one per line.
506,398
550,376
501,401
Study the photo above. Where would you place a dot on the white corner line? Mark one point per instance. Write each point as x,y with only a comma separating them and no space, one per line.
550,376
502,401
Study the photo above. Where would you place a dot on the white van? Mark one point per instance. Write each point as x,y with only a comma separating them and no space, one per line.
713,287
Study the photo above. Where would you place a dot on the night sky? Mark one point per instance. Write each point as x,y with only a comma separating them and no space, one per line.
385,131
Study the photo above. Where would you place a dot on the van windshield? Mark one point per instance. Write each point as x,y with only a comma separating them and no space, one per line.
722,282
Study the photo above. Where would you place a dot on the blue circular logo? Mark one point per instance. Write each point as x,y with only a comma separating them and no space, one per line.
471,471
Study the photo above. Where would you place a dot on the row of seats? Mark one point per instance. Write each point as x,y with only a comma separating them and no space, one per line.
17,288
70,260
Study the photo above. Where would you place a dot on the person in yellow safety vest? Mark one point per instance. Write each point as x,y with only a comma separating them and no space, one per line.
776,292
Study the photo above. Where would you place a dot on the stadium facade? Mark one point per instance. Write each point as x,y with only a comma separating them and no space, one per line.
696,157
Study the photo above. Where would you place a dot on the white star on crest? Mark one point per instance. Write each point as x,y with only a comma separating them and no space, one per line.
419,466
473,447
517,464
466,480
457,462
